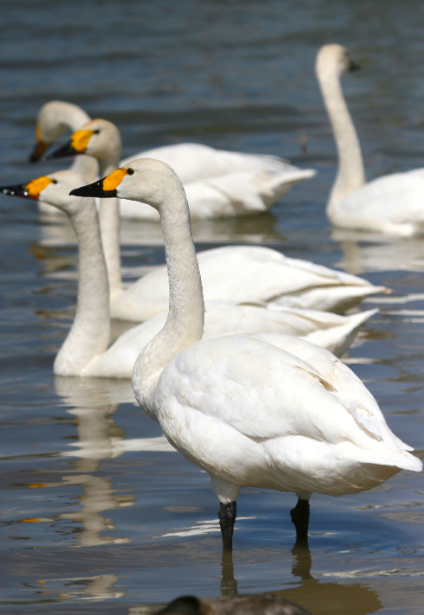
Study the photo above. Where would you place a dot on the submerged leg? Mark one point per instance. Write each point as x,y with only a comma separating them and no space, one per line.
300,517
227,518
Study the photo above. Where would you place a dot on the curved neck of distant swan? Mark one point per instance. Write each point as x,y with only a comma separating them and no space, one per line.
351,173
90,332
109,227
62,116
184,325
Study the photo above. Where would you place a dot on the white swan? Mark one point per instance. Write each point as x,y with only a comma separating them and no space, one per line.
219,183
393,204
267,410
85,351
241,274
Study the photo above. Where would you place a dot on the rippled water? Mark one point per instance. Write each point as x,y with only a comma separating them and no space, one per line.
97,515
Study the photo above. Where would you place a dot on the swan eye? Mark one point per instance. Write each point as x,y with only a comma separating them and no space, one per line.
130,171
54,181
96,132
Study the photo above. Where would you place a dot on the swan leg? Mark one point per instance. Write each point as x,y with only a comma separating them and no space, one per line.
300,518
227,518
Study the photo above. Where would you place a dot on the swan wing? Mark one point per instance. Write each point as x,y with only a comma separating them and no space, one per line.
246,274
270,386
194,161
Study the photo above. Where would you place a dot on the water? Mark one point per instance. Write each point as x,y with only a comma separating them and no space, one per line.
96,515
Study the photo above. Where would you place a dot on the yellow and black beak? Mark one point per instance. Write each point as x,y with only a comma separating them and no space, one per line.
77,144
104,188
31,190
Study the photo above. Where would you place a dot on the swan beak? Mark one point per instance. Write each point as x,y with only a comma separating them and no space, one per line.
28,191
38,151
104,188
353,66
77,144
40,146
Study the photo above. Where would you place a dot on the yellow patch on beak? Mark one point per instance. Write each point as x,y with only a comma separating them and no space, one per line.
37,185
38,134
112,181
80,140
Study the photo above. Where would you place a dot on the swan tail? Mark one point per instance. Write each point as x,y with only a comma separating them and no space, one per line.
339,339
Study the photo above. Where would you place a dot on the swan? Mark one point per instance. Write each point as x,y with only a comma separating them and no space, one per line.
219,183
233,273
262,410
53,120
85,351
393,204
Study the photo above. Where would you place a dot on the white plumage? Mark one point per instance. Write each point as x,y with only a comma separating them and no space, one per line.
219,183
393,204
263,410
85,351
234,273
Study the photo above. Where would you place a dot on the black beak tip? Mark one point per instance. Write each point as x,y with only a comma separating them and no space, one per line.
19,190
63,152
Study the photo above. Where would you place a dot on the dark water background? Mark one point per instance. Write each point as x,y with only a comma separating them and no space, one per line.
95,517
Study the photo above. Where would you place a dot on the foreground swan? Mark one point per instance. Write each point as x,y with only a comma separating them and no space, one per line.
218,183
241,274
85,353
267,410
393,204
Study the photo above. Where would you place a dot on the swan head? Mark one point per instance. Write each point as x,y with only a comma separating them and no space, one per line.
98,138
145,180
333,61
52,189
53,120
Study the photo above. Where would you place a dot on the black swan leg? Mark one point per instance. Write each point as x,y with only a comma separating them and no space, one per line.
300,517
227,517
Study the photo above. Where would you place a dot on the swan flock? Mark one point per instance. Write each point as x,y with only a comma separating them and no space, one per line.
236,349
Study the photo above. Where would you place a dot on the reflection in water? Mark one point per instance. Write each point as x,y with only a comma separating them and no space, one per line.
372,252
307,591
57,231
93,401
96,588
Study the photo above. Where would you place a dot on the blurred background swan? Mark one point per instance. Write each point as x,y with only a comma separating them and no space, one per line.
393,204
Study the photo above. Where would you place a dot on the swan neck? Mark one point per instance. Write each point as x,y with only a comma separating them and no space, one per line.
110,228
90,332
184,325
351,174
87,167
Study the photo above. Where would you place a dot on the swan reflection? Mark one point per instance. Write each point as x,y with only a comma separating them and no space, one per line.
372,252
57,231
309,592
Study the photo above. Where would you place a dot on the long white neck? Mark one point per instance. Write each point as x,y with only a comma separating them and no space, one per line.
184,325
351,173
62,117
109,227
90,332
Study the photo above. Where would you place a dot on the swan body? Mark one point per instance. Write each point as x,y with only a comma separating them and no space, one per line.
393,204
248,274
235,273
221,318
264,410
219,183
85,352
